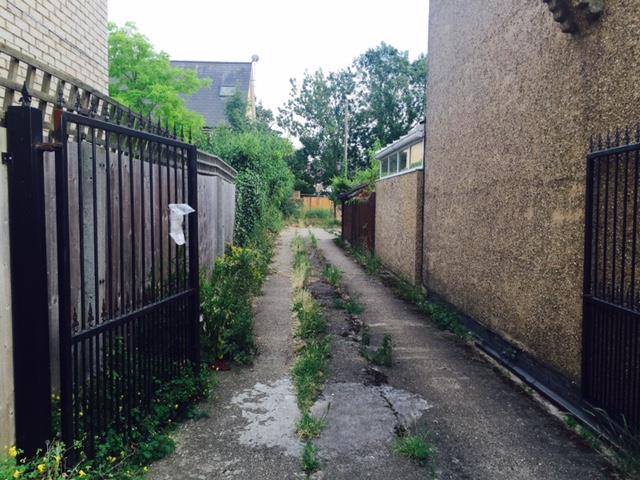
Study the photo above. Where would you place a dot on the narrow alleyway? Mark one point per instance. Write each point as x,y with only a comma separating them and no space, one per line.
481,426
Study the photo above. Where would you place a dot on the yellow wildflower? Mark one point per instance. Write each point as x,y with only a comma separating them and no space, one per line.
111,459
17,474
42,468
13,452
82,473
145,469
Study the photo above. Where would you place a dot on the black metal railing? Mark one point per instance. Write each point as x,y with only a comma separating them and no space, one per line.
611,330
128,294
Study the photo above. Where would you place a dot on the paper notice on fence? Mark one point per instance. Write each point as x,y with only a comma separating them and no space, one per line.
177,211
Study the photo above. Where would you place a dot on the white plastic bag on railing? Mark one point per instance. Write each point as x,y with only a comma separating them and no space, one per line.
177,212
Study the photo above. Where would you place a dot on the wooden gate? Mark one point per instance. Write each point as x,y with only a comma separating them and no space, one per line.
359,218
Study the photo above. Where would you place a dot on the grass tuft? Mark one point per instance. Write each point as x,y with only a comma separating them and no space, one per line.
309,427
310,460
353,307
332,274
414,447
383,355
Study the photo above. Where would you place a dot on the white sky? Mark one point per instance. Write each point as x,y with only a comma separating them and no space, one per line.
290,36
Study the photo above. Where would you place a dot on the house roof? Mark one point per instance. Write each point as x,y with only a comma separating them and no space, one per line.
414,135
226,78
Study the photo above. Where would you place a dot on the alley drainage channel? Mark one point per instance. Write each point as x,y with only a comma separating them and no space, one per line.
363,415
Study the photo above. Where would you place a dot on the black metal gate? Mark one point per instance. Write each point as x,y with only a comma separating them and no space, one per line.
611,326
128,293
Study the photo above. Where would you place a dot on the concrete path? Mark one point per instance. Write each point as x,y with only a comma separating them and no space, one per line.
482,427
250,430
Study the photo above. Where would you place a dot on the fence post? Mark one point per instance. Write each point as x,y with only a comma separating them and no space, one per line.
194,261
32,368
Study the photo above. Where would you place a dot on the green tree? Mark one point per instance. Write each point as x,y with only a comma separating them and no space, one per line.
384,93
144,80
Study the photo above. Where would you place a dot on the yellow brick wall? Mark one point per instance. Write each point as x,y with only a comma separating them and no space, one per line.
68,35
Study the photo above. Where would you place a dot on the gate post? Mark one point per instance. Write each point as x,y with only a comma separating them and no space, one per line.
194,261
32,368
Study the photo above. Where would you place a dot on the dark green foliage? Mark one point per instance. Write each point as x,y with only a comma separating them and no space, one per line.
226,305
264,184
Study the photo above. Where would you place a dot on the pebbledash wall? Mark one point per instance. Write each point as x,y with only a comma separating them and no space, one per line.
399,224
67,35
513,102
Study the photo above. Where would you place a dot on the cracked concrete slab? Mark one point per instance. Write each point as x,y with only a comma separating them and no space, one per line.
364,418
271,412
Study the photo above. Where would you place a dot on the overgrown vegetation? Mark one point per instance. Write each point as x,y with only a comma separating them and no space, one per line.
227,328
312,356
118,457
264,185
444,316
315,217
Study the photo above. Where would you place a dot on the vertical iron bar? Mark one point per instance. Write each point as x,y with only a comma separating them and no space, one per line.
67,366
143,273
169,248
194,272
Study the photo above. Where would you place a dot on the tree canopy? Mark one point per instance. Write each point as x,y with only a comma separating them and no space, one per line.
383,94
143,79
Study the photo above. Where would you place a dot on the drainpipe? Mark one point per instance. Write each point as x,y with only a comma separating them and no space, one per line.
421,243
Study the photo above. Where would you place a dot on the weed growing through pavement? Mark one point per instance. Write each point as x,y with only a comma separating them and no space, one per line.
309,427
312,362
352,306
383,355
310,460
416,448
332,274
444,316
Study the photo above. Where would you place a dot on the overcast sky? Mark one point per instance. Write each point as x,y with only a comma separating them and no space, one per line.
290,36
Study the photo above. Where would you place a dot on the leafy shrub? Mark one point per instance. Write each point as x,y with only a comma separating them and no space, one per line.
226,305
264,184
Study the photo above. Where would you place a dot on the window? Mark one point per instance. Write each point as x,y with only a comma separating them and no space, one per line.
393,163
227,91
402,162
417,154
384,167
